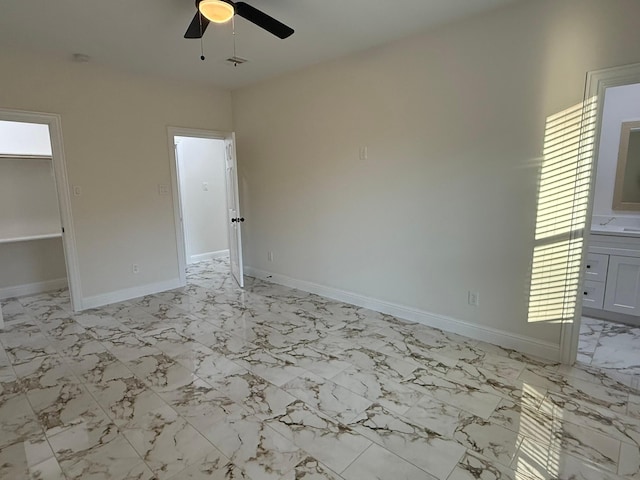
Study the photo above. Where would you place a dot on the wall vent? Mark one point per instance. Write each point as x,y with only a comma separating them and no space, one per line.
235,61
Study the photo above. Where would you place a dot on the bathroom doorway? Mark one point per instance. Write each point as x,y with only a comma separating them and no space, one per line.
606,330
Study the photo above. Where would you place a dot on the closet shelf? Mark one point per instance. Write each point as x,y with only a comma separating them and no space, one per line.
11,156
29,238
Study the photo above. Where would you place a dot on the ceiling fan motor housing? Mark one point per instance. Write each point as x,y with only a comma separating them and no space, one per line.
200,21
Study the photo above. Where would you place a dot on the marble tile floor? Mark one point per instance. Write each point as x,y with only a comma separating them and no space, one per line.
614,347
213,382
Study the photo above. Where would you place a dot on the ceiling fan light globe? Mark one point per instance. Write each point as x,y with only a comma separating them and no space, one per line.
216,11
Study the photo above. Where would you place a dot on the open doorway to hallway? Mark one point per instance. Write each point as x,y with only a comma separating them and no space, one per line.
203,196
206,203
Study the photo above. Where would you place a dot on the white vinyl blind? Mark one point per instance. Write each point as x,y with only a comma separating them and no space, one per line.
563,195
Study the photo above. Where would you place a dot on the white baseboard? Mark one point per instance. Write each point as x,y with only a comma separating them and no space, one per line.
208,256
33,288
611,316
129,293
520,343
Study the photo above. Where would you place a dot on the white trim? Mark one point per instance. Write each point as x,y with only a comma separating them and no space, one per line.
32,288
129,293
208,256
197,133
520,343
177,209
173,132
64,197
596,84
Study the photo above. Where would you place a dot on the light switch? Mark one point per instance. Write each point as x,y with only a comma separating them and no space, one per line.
205,186
163,189
77,190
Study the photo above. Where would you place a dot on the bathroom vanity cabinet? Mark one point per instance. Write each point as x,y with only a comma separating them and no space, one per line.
612,275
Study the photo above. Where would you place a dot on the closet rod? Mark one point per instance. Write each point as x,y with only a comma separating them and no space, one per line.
30,238
10,156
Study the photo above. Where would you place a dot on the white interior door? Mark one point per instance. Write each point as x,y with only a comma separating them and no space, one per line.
234,217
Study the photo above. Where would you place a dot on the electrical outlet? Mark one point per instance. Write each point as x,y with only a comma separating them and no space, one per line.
270,256
473,298
163,189
364,153
135,268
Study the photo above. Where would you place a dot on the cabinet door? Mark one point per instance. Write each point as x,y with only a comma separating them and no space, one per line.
622,294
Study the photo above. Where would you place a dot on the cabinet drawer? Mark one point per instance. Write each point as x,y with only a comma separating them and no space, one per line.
593,294
596,267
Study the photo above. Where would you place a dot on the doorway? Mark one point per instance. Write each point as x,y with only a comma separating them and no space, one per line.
206,204
610,323
37,247
605,332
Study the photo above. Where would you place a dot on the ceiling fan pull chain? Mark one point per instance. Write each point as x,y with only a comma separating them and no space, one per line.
201,35
233,34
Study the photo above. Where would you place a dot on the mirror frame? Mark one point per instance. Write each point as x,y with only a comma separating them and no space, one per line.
625,134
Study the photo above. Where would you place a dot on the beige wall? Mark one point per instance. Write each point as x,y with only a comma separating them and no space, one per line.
114,128
28,201
24,263
453,121
204,207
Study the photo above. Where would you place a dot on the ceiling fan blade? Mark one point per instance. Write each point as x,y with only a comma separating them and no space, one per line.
263,20
194,30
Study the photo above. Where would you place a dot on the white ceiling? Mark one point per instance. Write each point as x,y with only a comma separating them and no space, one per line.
146,36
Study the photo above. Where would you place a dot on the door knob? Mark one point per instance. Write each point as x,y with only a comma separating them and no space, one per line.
240,219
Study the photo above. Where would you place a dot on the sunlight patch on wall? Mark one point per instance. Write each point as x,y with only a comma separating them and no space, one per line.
563,196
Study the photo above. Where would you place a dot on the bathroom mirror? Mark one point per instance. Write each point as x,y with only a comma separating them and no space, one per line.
626,195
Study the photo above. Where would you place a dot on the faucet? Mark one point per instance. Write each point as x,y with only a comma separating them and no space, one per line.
608,221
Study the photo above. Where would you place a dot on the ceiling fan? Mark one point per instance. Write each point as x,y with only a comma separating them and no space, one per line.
221,11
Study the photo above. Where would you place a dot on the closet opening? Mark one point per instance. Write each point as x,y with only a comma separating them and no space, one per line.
36,248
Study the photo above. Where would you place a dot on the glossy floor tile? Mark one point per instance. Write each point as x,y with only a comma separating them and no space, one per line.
612,347
269,383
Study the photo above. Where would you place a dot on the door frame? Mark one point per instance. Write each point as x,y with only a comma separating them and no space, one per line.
175,187
596,84
54,122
